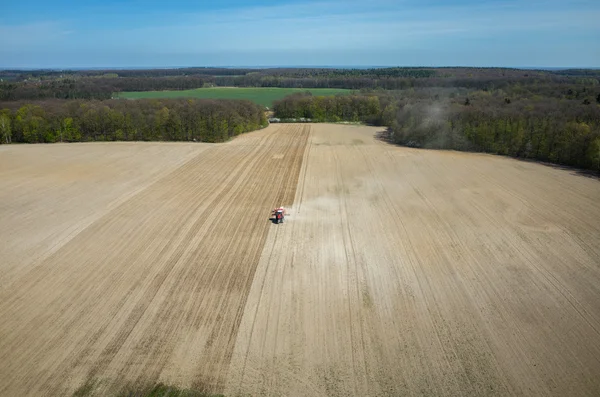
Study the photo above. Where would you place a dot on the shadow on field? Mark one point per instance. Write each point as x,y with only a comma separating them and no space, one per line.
273,220
572,170
386,136
93,387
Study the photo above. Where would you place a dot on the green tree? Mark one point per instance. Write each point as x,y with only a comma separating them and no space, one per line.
90,123
593,153
68,131
173,127
161,117
5,126
31,123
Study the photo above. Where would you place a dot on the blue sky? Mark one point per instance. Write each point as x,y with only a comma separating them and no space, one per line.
66,34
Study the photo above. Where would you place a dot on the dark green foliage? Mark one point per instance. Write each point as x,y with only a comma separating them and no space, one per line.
332,73
548,129
363,108
143,120
41,84
261,95
558,130
578,72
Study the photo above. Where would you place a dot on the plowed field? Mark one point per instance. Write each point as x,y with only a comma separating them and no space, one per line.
398,272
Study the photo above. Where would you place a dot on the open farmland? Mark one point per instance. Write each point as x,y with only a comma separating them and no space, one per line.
398,272
261,96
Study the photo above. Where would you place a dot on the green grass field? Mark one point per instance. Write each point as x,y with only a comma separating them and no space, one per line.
261,96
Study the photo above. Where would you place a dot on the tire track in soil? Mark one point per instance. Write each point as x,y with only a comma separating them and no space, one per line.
455,305
151,337
289,198
486,291
287,201
95,273
279,177
442,330
357,344
157,287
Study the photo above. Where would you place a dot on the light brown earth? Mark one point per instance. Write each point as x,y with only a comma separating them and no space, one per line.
49,193
398,272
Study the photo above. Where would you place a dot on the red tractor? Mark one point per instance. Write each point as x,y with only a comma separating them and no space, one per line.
279,215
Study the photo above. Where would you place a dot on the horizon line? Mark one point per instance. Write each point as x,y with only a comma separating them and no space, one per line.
83,68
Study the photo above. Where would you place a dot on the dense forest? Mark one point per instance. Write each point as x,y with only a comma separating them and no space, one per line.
559,131
142,120
356,108
103,84
564,129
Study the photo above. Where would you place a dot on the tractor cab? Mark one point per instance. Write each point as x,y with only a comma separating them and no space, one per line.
279,214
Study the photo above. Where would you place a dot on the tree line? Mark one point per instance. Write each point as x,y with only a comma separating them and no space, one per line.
47,74
119,120
94,87
36,85
356,108
105,87
558,130
549,116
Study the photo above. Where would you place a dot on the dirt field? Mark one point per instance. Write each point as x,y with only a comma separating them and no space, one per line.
398,272
49,193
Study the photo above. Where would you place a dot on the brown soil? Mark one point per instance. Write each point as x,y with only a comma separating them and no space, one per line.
398,272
